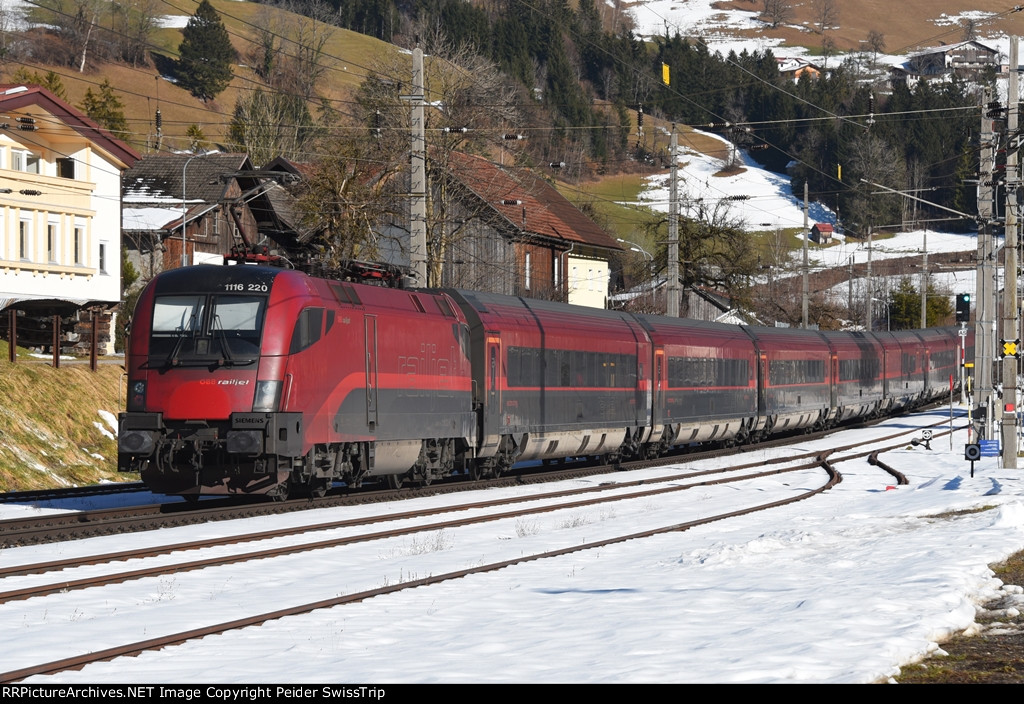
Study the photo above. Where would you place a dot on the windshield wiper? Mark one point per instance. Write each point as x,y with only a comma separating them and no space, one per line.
172,358
227,360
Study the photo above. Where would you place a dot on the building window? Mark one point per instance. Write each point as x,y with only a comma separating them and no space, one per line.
51,243
66,167
556,279
78,245
103,257
527,274
22,160
24,235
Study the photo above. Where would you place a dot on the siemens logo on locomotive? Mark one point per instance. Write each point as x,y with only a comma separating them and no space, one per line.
257,380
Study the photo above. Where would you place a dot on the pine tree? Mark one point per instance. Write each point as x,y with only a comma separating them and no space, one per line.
204,66
106,109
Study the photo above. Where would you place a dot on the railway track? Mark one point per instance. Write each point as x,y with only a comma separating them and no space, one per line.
448,519
75,525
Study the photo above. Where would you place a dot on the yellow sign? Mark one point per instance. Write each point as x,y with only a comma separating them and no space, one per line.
664,74
1009,348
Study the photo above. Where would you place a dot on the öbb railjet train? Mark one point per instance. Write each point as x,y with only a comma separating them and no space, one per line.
261,380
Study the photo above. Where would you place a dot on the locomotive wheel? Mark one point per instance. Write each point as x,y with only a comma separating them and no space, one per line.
394,481
318,488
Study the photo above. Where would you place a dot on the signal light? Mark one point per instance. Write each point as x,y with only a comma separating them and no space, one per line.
963,307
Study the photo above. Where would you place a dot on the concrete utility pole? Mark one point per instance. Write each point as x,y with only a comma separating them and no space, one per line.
418,176
984,294
807,236
1010,328
870,288
924,282
672,290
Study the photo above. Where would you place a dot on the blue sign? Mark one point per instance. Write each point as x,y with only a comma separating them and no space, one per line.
989,448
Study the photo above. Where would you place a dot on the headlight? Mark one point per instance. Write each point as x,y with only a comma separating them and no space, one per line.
268,396
136,442
137,396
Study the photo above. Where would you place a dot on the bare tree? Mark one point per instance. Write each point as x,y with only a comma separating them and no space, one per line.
308,41
873,160
266,124
875,42
133,23
777,12
471,105
292,56
348,196
970,29
825,14
828,47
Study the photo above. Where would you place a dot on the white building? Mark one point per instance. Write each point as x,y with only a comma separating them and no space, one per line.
60,212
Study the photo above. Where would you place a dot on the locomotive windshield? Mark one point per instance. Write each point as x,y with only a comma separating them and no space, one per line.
203,330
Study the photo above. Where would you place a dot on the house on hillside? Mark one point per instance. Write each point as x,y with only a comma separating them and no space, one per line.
821,233
60,193
795,67
510,231
223,202
967,59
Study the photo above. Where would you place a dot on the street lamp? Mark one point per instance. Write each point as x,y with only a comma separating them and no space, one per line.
888,325
634,247
184,245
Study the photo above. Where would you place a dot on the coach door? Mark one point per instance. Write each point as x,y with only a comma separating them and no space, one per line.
659,387
370,323
492,377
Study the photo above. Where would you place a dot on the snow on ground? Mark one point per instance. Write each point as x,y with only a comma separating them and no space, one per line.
846,587
769,201
764,200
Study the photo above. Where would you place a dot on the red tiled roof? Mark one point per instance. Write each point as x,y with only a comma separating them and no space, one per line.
823,227
17,96
543,210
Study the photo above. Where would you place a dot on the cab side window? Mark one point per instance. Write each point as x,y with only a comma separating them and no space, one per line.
307,329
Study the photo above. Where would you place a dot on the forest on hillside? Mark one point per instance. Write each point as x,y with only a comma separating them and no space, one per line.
594,77
573,79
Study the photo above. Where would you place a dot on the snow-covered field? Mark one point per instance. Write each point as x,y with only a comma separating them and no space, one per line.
846,587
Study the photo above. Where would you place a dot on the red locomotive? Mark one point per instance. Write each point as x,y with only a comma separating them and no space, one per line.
260,380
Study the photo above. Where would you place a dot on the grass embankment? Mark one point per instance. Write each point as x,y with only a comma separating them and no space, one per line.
52,432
